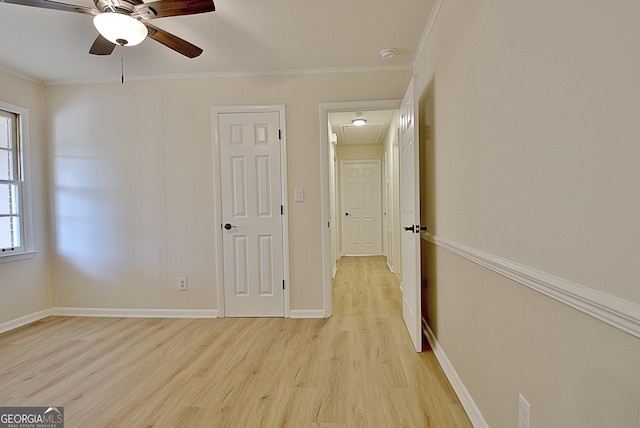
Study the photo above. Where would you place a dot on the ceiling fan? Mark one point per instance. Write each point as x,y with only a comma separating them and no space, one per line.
125,22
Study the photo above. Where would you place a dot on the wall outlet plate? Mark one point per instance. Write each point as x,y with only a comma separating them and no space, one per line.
182,283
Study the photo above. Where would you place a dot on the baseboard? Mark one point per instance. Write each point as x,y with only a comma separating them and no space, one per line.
135,313
389,267
473,412
306,313
22,321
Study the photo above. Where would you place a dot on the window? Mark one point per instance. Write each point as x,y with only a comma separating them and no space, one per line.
12,236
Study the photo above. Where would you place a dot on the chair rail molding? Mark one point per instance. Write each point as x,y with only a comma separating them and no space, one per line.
619,313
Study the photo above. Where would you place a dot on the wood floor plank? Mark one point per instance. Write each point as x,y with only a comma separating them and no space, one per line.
356,369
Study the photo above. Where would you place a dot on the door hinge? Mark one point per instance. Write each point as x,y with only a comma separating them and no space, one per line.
283,284
281,209
279,134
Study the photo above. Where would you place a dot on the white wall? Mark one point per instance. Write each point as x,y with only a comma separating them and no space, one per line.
534,160
24,284
359,151
132,184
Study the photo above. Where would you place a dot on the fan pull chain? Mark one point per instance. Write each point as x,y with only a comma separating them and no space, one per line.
122,68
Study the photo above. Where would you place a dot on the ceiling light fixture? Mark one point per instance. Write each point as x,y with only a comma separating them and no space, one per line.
359,120
120,29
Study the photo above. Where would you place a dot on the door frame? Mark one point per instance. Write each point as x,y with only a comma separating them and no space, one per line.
324,110
216,111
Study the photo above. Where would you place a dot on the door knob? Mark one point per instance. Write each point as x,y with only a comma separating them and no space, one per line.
229,226
347,214
409,228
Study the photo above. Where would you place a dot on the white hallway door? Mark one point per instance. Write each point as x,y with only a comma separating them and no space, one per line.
252,222
410,218
361,207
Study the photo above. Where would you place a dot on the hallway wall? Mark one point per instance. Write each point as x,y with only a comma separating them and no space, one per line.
533,165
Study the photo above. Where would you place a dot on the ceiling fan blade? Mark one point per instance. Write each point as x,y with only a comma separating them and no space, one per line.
165,8
48,4
174,42
101,46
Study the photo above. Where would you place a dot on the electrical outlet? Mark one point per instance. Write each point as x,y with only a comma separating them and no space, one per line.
182,283
524,413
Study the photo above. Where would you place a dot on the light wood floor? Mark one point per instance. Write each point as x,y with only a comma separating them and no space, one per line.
356,369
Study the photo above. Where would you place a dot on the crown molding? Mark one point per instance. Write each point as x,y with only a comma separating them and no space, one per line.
21,75
214,74
428,28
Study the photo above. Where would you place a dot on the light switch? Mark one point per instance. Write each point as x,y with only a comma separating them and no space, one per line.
298,194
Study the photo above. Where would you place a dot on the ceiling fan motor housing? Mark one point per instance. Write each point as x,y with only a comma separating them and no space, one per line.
114,6
125,7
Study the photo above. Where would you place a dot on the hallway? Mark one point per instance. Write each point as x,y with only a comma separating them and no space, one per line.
397,386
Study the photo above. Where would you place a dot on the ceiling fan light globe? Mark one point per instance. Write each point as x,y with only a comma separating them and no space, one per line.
120,29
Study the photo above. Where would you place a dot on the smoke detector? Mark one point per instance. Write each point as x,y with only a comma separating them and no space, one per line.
388,53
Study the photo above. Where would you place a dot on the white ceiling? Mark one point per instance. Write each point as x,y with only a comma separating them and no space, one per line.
241,36
373,132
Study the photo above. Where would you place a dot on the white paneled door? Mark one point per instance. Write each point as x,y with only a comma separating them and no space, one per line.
410,218
252,226
361,207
